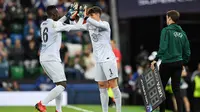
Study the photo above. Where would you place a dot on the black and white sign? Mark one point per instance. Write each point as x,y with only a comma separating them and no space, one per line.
135,8
152,90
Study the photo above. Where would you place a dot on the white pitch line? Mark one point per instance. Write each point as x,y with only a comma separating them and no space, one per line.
79,109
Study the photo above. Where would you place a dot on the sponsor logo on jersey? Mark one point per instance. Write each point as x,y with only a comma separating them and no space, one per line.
95,37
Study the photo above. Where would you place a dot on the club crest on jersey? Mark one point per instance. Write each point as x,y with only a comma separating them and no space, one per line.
94,37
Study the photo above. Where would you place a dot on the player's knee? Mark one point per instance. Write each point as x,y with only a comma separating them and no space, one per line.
64,84
102,85
113,83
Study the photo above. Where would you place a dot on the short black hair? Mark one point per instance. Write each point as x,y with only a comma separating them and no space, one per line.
175,15
50,10
94,9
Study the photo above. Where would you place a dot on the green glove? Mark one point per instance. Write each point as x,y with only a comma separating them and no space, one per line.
73,8
82,11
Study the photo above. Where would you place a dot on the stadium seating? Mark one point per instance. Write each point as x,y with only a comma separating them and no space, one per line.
32,72
17,72
3,73
15,36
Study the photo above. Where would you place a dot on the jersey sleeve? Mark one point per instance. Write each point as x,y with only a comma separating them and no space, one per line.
103,25
72,22
163,44
41,24
186,51
59,26
83,27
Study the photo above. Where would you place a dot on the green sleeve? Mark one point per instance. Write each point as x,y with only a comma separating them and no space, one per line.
186,51
163,44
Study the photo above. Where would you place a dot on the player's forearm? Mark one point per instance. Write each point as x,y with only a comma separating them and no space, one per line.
96,23
80,25
72,22
68,27
80,21
73,28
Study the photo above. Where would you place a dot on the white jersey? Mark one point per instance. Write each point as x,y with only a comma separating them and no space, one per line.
100,36
51,39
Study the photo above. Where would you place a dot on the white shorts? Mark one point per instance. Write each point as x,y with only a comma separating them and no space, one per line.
54,70
106,70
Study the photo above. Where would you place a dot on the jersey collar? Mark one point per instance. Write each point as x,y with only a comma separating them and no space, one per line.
49,19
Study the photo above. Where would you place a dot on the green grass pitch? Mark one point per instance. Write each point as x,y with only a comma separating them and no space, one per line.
90,108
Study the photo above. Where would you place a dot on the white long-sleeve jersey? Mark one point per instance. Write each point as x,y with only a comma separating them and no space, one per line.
100,36
51,38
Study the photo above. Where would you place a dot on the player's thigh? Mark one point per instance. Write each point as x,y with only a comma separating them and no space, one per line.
103,84
113,82
54,70
110,70
100,76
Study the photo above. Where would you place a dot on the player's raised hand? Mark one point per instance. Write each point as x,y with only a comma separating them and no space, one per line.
81,12
76,6
74,14
85,11
72,11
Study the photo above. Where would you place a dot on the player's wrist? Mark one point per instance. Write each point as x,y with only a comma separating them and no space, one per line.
69,13
85,18
71,19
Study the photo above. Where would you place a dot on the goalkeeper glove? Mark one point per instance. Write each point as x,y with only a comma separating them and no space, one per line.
73,8
82,11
